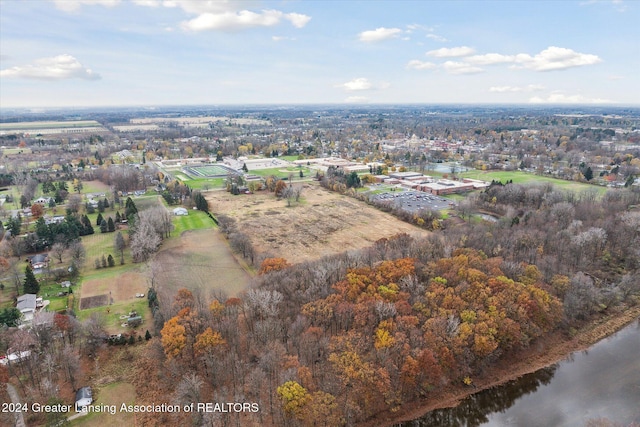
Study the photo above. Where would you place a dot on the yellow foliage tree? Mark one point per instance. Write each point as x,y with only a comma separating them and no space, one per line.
173,337
294,398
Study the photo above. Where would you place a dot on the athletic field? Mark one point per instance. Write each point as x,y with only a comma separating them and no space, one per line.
208,171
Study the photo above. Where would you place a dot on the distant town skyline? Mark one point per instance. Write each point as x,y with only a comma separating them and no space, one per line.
79,53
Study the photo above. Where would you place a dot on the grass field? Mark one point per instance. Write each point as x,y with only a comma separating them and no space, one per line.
527,178
283,172
114,394
208,171
201,259
196,220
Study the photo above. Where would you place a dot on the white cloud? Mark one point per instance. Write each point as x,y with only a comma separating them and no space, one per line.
231,21
436,38
416,64
356,99
561,98
358,84
506,89
59,67
226,15
555,58
490,59
451,52
73,5
453,67
297,19
281,38
379,34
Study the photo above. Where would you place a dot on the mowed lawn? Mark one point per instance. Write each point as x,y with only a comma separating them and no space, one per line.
196,220
112,394
527,178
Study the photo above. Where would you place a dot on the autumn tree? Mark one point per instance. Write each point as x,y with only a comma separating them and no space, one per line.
37,210
273,264
173,338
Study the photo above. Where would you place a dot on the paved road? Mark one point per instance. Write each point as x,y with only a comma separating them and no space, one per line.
15,398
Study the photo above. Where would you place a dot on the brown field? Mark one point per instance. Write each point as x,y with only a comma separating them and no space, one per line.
323,223
201,259
123,287
93,302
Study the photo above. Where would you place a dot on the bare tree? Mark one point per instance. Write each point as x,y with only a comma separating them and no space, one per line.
57,250
74,203
145,241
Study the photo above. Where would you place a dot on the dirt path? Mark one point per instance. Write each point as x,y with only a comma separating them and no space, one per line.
15,398
552,349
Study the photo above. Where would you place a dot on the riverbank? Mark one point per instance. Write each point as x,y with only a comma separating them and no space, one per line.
544,352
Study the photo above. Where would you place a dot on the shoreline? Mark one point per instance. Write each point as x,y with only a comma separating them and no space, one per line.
550,350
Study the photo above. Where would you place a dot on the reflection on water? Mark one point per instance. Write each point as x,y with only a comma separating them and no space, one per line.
603,382
473,410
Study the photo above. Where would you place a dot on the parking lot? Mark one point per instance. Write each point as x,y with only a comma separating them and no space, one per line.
412,201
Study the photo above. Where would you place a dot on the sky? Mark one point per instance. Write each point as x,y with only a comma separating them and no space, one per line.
82,53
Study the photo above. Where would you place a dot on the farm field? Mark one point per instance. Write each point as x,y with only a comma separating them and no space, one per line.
527,178
324,223
200,259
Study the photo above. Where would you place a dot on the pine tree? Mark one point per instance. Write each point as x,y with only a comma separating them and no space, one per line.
147,335
31,285
99,219
103,226
111,227
110,261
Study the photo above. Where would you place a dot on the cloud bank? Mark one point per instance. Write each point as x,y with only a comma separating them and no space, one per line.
61,67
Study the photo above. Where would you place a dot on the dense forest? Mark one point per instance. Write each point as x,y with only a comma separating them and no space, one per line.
338,340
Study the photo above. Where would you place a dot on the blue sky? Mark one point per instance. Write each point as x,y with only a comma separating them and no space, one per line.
185,52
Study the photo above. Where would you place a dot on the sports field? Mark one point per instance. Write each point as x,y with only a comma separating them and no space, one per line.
527,178
208,171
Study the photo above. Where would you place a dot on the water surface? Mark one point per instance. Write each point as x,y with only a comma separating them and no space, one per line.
601,382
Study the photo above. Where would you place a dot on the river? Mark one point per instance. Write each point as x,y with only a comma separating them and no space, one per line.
601,382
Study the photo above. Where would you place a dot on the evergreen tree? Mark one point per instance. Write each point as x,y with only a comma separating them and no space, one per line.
130,208
110,261
147,335
104,261
111,227
105,202
104,226
588,173
31,285
200,201
99,219
118,218
100,206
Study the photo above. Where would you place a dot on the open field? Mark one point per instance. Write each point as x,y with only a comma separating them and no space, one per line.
528,178
196,220
200,259
325,223
208,171
112,394
284,172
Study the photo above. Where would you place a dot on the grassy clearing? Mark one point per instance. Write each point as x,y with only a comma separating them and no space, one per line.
112,394
93,187
283,172
111,315
50,292
196,220
526,178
